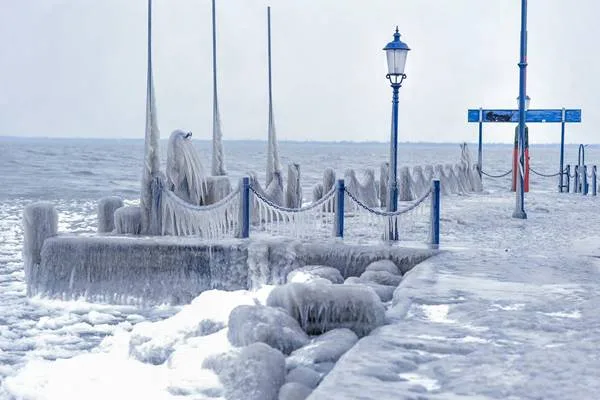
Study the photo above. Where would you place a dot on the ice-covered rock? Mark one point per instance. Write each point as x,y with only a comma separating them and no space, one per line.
383,265
128,220
294,391
384,292
328,347
320,308
106,213
305,376
310,272
251,324
382,278
254,372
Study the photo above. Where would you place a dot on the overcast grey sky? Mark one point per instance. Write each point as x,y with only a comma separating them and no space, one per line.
76,68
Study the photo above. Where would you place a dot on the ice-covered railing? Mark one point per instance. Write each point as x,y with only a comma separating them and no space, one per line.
408,223
215,221
315,219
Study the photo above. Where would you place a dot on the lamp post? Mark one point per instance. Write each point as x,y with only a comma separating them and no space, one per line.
520,192
396,52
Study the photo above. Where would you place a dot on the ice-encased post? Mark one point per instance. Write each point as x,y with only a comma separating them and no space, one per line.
152,136
40,222
435,214
568,173
584,181
218,157
594,184
576,181
106,213
245,208
339,209
273,162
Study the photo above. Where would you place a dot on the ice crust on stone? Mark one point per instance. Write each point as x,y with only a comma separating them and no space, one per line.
384,292
383,265
326,348
106,213
311,272
294,391
128,220
254,372
320,308
381,277
305,376
269,325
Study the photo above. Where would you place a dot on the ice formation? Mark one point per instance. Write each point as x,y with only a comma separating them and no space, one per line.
382,277
317,192
328,347
441,175
294,391
254,372
420,185
384,176
384,292
293,193
305,376
218,155
274,189
256,323
217,188
404,185
383,265
463,181
273,163
328,179
429,173
310,272
185,173
128,220
319,308
452,179
364,191
106,213
40,221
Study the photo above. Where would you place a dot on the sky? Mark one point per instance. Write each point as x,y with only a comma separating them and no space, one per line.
77,68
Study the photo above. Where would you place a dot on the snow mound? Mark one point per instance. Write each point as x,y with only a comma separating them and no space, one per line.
382,278
310,272
383,265
294,391
254,372
128,220
327,348
305,376
319,308
385,293
153,342
106,213
251,324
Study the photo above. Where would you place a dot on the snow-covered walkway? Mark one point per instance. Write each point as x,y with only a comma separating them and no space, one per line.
510,311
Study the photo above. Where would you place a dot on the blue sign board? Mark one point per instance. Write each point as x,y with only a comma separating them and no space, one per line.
532,116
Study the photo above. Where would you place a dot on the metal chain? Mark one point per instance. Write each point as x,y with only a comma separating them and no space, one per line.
544,175
496,176
224,201
389,213
311,206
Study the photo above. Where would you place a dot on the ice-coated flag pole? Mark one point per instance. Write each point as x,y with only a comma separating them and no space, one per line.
152,136
273,163
218,159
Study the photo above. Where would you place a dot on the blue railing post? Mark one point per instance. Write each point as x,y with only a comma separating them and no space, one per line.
584,181
339,209
568,173
595,186
576,182
435,214
245,208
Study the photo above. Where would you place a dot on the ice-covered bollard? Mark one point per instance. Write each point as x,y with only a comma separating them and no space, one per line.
476,179
40,221
439,174
317,192
293,192
328,180
405,181
320,308
128,220
384,171
419,185
452,179
429,174
106,213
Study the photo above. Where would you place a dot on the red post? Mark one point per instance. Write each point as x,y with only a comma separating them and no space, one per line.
515,163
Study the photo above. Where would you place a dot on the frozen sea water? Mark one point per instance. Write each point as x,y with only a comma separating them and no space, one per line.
74,174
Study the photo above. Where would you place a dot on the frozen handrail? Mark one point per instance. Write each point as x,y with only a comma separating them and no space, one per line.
496,176
309,207
172,196
544,175
389,213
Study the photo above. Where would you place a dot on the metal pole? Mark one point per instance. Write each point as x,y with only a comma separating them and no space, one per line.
480,148
584,182
594,187
393,177
245,222
520,200
435,214
562,152
576,182
339,209
568,173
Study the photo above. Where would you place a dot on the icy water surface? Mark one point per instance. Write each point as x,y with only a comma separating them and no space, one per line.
74,174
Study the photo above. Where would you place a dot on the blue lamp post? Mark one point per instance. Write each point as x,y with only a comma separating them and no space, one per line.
396,52
520,192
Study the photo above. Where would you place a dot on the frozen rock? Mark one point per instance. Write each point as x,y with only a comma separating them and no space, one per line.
383,265
128,220
305,376
327,348
320,308
385,293
254,372
251,324
106,213
382,278
310,272
294,391
324,367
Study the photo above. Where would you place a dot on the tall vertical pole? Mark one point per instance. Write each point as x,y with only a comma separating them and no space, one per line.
393,176
480,148
218,158
339,209
273,162
520,192
245,208
435,214
561,184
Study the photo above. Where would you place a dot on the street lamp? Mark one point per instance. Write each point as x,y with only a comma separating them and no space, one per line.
396,52
520,192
